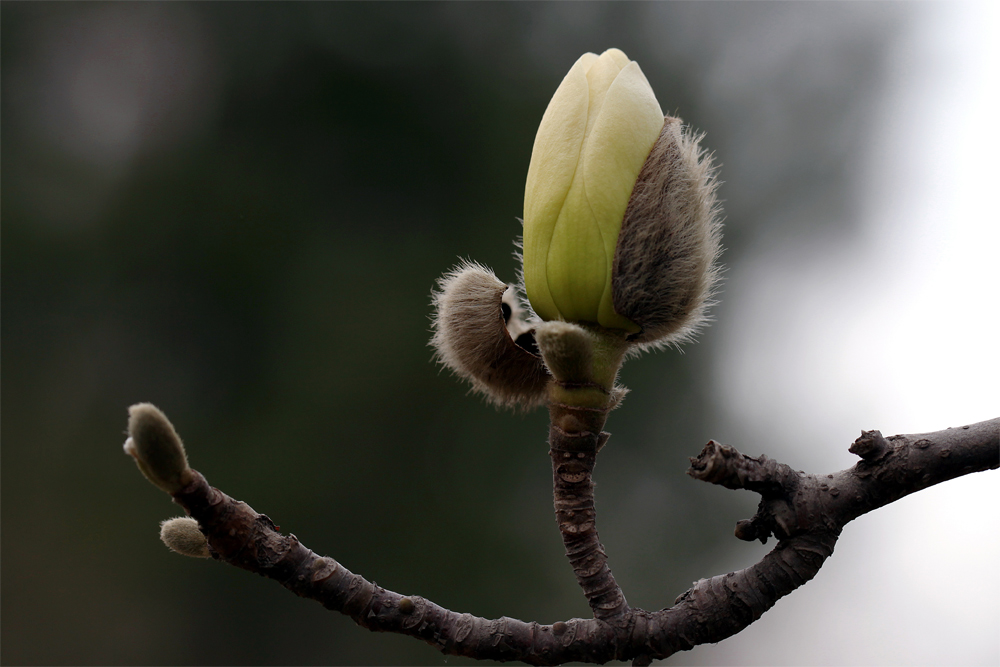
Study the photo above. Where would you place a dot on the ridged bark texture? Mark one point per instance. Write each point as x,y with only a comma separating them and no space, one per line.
806,513
573,458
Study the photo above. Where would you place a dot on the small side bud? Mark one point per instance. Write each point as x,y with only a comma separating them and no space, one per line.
182,535
665,263
480,335
582,360
156,448
568,350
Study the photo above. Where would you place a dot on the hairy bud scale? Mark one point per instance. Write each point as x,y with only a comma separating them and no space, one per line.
480,336
665,263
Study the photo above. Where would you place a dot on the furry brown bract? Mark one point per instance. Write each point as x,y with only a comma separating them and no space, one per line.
665,262
481,336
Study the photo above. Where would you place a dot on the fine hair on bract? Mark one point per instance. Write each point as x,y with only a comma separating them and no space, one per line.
481,336
664,274
665,271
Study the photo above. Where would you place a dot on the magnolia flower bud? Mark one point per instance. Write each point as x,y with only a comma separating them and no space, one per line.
621,235
620,225
156,448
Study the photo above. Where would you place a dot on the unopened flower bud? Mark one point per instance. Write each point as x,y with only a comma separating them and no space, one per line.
620,226
621,235
156,448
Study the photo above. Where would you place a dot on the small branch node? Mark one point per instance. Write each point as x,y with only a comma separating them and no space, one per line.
710,464
749,530
870,446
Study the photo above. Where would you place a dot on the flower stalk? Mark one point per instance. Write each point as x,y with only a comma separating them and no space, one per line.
621,235
584,363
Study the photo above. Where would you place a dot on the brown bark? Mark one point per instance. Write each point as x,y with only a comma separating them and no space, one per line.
575,437
805,512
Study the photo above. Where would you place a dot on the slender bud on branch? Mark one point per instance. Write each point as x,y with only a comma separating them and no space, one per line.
183,535
156,448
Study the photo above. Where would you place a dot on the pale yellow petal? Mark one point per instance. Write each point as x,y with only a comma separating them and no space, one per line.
576,265
593,139
554,160
600,76
587,61
616,148
618,56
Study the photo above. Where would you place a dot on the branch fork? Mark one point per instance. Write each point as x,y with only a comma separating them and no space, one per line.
805,512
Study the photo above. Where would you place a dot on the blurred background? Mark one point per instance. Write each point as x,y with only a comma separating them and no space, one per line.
237,212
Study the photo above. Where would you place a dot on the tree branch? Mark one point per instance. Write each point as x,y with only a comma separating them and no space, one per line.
793,502
805,512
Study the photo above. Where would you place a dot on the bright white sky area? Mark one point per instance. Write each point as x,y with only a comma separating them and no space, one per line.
897,331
